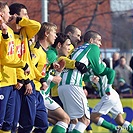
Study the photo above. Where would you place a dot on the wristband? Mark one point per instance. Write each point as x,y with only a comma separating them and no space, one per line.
26,66
20,81
57,73
27,81
42,80
5,36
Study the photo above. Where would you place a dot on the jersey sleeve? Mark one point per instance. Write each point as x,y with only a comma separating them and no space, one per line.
31,26
110,73
94,59
70,64
86,78
51,56
71,50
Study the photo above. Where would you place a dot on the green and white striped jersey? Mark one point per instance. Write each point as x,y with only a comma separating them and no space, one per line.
89,54
105,78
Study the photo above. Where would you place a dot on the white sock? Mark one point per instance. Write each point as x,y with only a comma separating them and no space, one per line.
62,124
71,127
80,126
100,121
126,124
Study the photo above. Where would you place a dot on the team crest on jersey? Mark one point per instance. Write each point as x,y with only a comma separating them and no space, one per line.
20,49
10,36
11,48
33,55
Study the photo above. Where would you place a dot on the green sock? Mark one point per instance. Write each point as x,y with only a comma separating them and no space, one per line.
130,128
58,129
109,126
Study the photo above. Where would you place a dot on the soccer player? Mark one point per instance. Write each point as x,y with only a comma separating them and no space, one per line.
28,108
46,36
70,89
74,34
108,103
8,64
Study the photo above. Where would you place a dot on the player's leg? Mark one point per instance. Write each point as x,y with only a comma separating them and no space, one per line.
28,111
61,117
75,104
17,111
41,119
117,112
7,106
103,107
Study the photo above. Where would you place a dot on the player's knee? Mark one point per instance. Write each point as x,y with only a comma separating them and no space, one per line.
74,121
66,119
119,120
85,120
94,117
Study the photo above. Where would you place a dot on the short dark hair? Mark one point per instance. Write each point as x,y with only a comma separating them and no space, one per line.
122,57
15,8
61,37
2,5
90,34
70,28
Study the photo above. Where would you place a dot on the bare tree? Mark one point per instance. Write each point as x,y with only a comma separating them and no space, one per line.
86,14
95,15
83,13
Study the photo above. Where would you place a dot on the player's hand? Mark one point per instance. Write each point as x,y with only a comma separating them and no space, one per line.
18,86
44,86
94,79
56,65
28,89
4,28
56,79
62,64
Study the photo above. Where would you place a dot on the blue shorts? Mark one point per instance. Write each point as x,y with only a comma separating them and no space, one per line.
41,119
7,106
28,110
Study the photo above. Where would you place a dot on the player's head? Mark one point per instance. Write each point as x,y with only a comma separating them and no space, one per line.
93,37
62,44
74,33
4,12
19,10
47,32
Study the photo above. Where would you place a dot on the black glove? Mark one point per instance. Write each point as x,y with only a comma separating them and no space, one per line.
81,67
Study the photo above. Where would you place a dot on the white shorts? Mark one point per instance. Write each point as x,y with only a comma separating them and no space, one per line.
49,103
74,101
110,104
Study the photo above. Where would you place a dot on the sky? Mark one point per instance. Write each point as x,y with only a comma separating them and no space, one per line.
121,5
